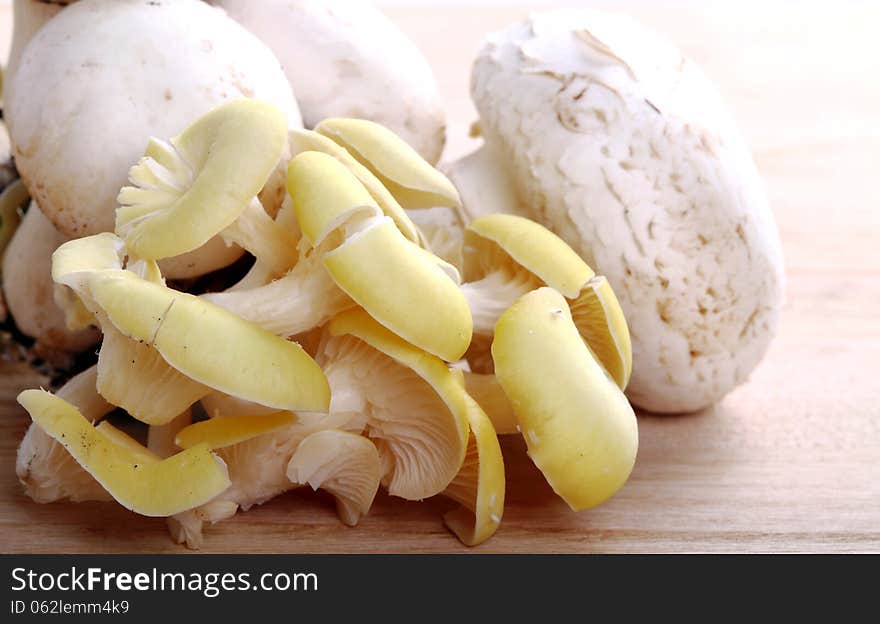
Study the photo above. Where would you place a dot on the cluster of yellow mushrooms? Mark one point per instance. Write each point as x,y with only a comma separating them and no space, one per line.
359,350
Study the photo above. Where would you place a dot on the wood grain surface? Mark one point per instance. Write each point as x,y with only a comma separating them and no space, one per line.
788,462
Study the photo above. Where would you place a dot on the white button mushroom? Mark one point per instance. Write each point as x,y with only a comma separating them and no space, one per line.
102,77
28,17
614,140
344,58
29,289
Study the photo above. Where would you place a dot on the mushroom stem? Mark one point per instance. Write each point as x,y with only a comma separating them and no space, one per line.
256,232
306,297
261,274
490,296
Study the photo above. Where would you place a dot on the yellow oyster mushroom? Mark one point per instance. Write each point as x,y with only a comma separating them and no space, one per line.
211,345
342,463
399,284
415,408
579,428
139,452
311,141
506,256
163,349
134,375
160,488
489,395
205,182
130,373
44,467
158,448
410,178
186,525
479,484
260,274
225,431
217,403
357,256
304,298
403,290
257,469
323,202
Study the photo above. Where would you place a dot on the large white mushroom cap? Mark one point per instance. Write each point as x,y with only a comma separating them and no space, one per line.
621,145
103,76
344,58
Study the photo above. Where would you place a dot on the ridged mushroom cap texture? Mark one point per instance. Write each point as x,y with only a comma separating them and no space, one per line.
622,146
171,62
344,58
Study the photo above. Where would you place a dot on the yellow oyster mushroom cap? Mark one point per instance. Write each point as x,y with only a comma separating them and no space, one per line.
192,188
340,462
150,488
130,373
428,417
226,431
579,428
479,485
500,254
530,245
118,437
404,287
410,178
325,195
211,345
309,140
72,262
85,255
45,469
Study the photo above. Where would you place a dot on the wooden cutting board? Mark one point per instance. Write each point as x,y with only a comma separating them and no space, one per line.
788,462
